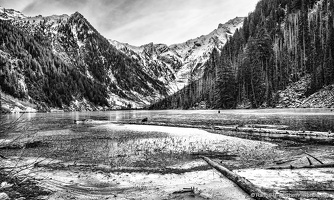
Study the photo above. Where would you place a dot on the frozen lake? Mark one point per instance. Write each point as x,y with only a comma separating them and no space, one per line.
147,161
295,119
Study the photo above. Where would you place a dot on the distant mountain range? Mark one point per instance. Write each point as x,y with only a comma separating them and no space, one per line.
63,62
180,62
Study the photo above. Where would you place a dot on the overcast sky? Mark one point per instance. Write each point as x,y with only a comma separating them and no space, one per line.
140,22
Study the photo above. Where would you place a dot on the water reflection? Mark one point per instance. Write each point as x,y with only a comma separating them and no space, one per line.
29,116
296,119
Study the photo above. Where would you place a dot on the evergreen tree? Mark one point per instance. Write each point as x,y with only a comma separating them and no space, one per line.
225,87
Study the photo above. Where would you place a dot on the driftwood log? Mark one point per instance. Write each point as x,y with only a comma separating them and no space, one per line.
309,161
266,133
300,136
21,145
109,169
243,183
328,165
314,158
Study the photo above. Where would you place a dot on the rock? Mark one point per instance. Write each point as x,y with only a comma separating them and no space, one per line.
205,195
144,120
42,197
4,110
4,196
85,121
5,185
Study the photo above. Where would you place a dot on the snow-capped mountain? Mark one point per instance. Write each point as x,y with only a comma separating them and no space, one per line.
70,48
180,62
95,70
157,60
10,14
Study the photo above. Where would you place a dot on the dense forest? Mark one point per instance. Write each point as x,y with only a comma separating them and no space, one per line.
47,78
55,67
279,43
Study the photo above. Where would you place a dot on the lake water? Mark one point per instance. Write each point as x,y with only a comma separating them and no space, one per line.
296,119
141,151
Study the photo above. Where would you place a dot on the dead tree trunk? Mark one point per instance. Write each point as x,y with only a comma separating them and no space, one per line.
328,165
243,183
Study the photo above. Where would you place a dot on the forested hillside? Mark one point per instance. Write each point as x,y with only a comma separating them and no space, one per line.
63,62
30,69
280,43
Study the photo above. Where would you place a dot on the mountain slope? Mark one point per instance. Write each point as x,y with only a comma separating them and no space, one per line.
64,62
10,14
178,63
72,49
280,43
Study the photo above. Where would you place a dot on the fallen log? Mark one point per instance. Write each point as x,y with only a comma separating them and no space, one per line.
279,162
328,165
314,158
309,161
110,169
185,190
267,133
243,183
24,144
213,154
307,190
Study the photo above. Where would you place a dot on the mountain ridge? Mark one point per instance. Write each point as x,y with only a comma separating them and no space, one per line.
74,41
185,60
10,14
154,68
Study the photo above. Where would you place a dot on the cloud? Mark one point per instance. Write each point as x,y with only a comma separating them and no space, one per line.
142,21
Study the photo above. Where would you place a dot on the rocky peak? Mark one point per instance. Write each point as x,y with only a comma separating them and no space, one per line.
157,49
232,23
77,18
77,15
82,24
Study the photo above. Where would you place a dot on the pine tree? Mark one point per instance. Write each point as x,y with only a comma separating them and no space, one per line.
225,87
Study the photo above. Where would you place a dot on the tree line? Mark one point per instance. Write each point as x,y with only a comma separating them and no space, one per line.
280,42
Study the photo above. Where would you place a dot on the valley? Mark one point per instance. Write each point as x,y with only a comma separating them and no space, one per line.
156,70
245,111
62,62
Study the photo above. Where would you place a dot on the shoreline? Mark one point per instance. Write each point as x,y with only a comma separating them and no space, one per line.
157,183
293,157
6,110
253,133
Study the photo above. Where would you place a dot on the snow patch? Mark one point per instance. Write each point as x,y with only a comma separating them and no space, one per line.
22,85
75,35
89,75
